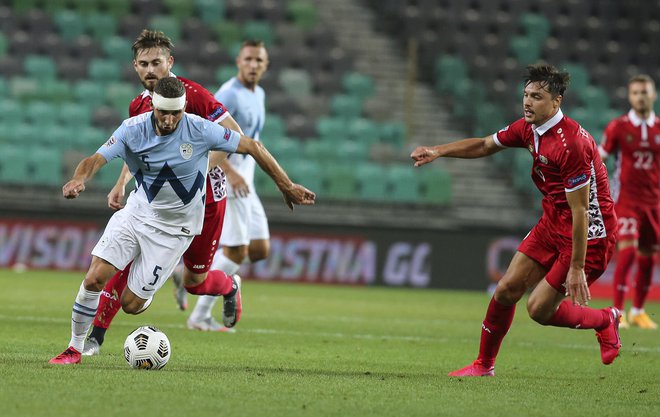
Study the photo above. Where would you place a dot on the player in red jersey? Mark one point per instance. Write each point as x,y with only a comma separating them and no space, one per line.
570,246
153,61
635,140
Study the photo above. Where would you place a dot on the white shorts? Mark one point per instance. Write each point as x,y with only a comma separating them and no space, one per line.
154,253
245,220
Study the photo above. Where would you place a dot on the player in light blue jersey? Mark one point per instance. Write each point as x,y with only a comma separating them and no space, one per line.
166,151
245,234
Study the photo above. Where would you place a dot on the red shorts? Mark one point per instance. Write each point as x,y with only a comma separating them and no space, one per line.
554,252
640,223
200,253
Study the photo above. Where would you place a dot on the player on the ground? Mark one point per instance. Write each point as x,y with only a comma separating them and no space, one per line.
570,246
166,151
635,140
245,234
152,60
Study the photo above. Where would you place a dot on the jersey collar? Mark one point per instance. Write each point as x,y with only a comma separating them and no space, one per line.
540,130
637,121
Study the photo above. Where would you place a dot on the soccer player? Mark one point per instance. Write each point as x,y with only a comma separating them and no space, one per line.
570,246
635,138
245,235
152,61
166,151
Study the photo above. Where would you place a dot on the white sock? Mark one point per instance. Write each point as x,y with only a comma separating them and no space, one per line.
205,303
82,316
634,311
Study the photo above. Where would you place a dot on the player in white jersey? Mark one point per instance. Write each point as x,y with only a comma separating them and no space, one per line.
167,152
245,235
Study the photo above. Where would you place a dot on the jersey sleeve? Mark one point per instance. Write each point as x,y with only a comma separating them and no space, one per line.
220,138
202,103
227,97
576,161
511,136
610,141
115,146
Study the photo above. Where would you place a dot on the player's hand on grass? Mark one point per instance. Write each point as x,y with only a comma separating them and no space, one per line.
576,287
423,155
297,194
73,188
116,197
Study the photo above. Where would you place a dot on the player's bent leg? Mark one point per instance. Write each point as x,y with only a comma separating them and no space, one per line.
132,304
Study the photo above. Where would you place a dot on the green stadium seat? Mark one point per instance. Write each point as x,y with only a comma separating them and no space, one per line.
595,98
3,45
74,114
352,151
37,111
210,11
40,67
89,93
303,13
168,24
228,33
363,130
225,73
52,6
525,50
11,112
107,176
341,181
403,183
449,70
358,85
24,6
393,133
321,150
45,166
117,8
104,71
23,89
85,7
579,76
296,82
265,186
274,127
536,26
117,49
435,186
102,26
331,127
119,95
70,24
345,106
13,165
489,119
307,173
282,147
372,181
56,91
260,30
180,9
179,70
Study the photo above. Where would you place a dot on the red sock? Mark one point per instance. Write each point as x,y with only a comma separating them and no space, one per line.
216,283
624,262
643,280
110,301
579,317
495,326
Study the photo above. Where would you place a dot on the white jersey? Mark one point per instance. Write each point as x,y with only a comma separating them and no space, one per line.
170,171
248,108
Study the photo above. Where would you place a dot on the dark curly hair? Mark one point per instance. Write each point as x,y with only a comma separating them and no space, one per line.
549,77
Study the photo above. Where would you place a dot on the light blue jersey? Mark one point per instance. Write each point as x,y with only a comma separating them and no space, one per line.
248,108
170,171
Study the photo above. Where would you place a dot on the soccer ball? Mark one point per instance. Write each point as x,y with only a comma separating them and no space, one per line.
147,348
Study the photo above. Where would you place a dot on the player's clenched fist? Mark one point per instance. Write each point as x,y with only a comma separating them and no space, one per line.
73,188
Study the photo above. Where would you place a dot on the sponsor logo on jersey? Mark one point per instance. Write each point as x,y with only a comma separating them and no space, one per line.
216,113
576,180
110,141
198,266
186,150
227,134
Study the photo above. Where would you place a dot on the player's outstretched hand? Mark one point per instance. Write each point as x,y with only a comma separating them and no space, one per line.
73,188
116,197
423,155
299,195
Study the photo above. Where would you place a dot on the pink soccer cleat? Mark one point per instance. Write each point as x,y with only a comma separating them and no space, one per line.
475,369
69,356
608,338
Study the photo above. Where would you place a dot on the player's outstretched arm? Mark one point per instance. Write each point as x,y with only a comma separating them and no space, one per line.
293,193
118,191
465,148
84,172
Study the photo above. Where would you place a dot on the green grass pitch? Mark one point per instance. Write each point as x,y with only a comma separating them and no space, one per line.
314,350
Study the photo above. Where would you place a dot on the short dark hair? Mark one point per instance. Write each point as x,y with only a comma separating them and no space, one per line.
152,39
170,87
549,77
256,43
641,78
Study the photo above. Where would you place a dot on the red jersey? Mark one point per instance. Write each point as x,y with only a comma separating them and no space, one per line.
201,102
637,146
565,159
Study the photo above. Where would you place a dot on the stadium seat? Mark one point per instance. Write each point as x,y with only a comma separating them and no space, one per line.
23,89
117,8
403,183
525,50
260,30
228,33
352,151
296,82
449,70
435,186
363,130
56,91
307,173
102,25
346,107
265,186
282,147
331,127
39,67
107,176
536,27
372,181
210,11
104,71
595,99
70,24
168,24
119,95
358,85
11,112
274,126
393,133
303,13
13,165
39,110
179,9
74,114
89,93
3,45
341,181
224,73
117,49
320,150
45,166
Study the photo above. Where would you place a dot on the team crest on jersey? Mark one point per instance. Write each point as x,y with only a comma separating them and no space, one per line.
186,150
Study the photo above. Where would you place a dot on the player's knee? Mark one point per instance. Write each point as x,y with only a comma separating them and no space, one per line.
258,254
135,306
508,292
538,311
94,281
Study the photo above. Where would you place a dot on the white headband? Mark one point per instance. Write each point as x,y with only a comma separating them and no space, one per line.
163,103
